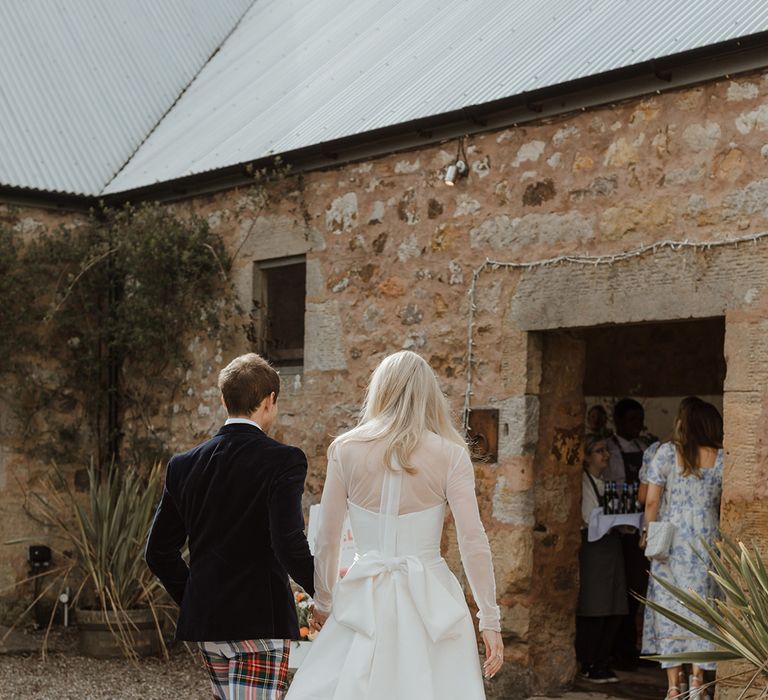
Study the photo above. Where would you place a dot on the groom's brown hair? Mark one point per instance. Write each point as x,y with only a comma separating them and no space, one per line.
246,382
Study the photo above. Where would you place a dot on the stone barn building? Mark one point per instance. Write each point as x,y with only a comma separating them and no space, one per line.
608,237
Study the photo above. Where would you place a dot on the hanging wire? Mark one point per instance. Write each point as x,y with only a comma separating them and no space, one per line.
461,154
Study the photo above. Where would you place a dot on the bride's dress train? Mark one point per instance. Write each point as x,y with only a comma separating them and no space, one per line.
400,628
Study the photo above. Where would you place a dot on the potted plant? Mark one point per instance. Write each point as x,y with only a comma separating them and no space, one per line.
117,601
737,624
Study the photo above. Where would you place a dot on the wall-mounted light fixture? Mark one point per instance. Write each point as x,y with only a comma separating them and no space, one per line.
454,171
459,167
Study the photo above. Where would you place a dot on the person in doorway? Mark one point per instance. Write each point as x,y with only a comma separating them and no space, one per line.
627,446
642,476
597,421
602,589
685,482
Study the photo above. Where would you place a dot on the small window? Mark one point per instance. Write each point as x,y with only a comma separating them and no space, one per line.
279,291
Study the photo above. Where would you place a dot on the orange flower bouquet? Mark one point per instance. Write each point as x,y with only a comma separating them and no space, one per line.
303,607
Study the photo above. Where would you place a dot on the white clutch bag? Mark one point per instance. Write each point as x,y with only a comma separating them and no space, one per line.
661,534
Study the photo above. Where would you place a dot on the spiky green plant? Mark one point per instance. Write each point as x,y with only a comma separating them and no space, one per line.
736,624
105,530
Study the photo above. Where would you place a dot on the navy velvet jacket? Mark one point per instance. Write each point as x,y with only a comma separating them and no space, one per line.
237,499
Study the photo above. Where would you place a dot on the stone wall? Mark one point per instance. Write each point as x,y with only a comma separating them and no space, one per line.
391,251
18,470
557,507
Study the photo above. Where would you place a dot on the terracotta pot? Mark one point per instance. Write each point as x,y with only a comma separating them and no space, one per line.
98,633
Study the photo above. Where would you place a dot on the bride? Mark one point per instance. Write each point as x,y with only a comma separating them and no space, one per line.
397,625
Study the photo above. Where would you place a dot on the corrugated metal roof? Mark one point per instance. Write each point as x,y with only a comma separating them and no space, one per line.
83,82
300,72
76,104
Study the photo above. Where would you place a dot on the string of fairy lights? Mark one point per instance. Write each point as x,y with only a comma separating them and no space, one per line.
586,260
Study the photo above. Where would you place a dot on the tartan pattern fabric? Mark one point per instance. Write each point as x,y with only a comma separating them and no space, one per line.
254,669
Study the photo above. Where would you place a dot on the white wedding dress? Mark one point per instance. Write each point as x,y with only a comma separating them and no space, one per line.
399,627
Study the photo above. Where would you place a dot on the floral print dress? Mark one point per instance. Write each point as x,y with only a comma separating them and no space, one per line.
693,505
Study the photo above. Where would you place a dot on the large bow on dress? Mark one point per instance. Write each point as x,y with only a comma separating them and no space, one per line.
353,604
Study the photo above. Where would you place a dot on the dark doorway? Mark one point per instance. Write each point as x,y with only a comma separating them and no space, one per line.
657,364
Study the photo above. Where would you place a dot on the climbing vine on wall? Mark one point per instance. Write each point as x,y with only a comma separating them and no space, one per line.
17,300
100,318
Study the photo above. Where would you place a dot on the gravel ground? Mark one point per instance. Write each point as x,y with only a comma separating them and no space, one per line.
67,676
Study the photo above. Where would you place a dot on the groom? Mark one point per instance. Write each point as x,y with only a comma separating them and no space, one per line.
236,499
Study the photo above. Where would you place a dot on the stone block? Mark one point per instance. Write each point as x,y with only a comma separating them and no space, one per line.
324,344
315,279
753,119
745,414
747,522
341,213
730,165
582,162
520,365
511,234
488,295
666,286
515,622
738,91
750,200
746,354
563,134
513,682
702,137
620,154
466,206
405,167
599,187
518,471
617,222
684,176
409,248
556,499
512,507
512,549
377,213
518,425
530,151
410,314
269,237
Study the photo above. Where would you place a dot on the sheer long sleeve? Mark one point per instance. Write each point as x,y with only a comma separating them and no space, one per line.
473,542
333,509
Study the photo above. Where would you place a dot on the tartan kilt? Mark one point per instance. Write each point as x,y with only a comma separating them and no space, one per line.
247,670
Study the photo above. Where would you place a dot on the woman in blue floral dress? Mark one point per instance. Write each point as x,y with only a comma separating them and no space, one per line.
684,486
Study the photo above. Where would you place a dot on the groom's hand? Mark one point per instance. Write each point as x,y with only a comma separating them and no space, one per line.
317,619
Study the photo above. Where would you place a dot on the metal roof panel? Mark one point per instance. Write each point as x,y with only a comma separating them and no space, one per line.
103,96
85,81
297,73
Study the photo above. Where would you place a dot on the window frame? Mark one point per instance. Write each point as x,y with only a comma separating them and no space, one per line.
291,361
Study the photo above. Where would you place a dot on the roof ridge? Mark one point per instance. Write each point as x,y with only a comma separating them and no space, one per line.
151,131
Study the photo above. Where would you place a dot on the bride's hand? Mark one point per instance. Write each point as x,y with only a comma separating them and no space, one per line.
316,619
494,653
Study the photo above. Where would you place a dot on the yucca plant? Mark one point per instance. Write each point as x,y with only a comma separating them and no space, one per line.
737,624
105,530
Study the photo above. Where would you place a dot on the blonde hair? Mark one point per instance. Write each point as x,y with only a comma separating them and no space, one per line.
403,400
